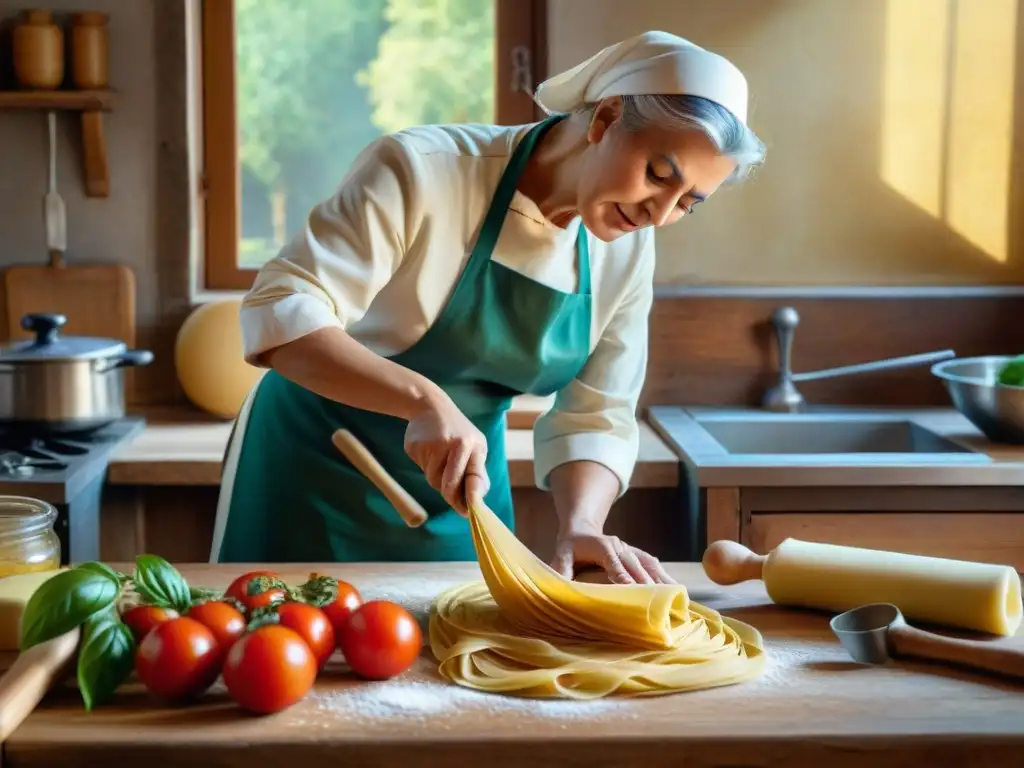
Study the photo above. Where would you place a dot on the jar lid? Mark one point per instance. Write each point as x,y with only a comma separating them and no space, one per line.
89,18
38,16
50,346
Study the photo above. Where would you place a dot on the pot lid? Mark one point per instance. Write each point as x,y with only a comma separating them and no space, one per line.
49,345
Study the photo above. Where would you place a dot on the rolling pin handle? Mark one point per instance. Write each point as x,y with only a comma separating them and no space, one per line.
990,656
729,562
34,672
353,449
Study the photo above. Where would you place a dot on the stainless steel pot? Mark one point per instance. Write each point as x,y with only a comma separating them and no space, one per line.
63,383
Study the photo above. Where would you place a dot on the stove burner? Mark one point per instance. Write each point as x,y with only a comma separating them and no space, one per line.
63,467
24,452
22,465
55,445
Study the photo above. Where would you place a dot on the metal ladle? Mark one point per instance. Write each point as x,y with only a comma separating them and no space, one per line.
873,633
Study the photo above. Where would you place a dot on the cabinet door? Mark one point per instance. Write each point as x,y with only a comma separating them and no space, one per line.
988,537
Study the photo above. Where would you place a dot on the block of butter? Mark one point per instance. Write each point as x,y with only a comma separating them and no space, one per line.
15,592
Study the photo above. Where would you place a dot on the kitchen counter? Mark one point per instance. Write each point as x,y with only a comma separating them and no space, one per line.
181,447
708,464
812,706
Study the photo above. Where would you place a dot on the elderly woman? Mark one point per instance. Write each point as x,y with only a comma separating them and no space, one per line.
456,267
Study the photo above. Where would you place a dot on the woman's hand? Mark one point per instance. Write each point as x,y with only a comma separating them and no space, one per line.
624,564
450,451
584,492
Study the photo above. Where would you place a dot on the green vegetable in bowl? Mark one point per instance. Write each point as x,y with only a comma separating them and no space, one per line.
1012,374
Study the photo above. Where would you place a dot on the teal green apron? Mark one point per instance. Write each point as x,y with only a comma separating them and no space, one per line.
295,498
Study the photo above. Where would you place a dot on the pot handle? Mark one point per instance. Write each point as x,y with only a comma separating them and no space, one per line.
132,357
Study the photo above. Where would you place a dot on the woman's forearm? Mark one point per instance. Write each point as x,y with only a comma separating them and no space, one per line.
583,492
332,364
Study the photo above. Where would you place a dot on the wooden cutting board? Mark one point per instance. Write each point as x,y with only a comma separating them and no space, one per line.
97,300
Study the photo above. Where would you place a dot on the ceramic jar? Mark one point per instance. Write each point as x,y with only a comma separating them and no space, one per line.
89,61
38,48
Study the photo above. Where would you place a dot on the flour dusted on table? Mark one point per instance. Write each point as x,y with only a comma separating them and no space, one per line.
417,699
415,595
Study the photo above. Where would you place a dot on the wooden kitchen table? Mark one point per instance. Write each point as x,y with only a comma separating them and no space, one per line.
812,706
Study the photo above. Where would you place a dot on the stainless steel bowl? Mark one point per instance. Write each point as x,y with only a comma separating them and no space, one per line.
995,409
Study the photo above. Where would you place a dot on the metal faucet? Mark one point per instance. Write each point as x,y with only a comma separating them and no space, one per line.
785,397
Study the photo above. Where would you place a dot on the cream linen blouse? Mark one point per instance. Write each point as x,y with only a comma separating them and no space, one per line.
381,256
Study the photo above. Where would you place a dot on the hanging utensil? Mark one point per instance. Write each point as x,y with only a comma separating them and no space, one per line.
54,211
98,300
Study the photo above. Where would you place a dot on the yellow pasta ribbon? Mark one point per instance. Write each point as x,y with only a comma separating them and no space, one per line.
525,630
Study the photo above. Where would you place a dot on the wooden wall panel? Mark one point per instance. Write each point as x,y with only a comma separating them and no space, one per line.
715,351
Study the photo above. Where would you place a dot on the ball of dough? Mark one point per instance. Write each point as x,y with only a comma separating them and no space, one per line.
209,362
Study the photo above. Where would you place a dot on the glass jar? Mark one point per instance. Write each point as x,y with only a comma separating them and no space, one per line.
28,541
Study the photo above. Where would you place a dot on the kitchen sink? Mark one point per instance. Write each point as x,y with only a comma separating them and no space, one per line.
824,435
825,440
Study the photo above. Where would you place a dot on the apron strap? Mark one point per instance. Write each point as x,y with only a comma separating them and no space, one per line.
498,211
583,260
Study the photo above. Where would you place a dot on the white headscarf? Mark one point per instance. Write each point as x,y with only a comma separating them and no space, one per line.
650,63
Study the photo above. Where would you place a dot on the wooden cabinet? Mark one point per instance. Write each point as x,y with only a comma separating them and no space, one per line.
176,522
980,524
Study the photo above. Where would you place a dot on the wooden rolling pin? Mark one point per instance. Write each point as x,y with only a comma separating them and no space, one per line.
352,449
33,673
975,596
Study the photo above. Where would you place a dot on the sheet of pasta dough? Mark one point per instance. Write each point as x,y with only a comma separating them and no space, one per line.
526,630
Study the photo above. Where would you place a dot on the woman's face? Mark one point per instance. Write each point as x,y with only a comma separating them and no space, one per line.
636,179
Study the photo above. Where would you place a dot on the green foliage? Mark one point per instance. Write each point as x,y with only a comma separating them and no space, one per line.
296,97
435,64
318,80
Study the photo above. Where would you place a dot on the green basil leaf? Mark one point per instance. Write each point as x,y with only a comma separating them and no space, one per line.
106,656
64,602
104,569
160,584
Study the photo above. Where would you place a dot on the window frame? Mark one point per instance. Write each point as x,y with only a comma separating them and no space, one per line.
517,23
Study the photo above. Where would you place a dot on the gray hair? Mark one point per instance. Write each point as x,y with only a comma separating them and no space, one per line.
730,136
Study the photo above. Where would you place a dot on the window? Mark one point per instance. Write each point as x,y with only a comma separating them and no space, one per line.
293,91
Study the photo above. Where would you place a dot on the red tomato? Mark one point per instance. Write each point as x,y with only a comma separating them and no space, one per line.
339,610
178,659
225,621
142,618
239,590
269,669
380,640
312,625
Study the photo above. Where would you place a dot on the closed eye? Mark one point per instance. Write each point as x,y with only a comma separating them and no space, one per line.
653,176
671,178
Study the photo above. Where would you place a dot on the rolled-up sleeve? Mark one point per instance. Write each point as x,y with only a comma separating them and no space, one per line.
350,246
594,417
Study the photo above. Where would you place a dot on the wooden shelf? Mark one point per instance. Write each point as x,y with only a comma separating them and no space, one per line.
77,101
90,105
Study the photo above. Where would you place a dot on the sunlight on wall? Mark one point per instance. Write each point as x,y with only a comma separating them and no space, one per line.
981,124
913,99
947,113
